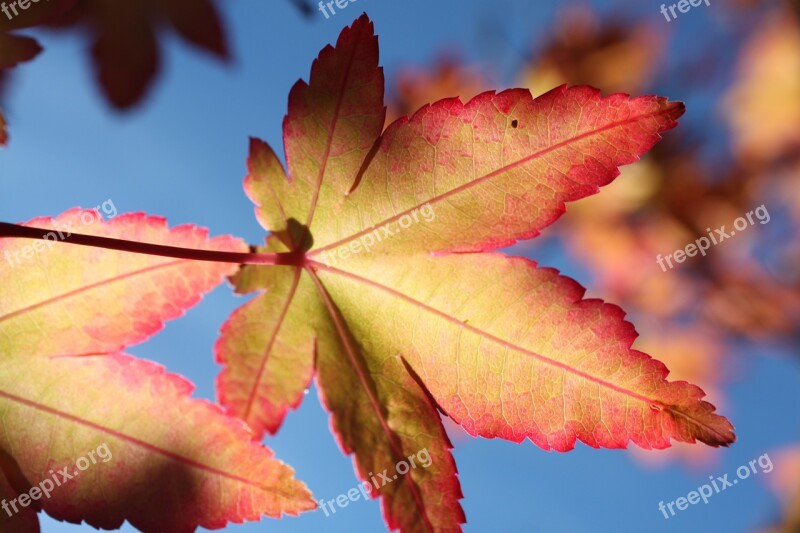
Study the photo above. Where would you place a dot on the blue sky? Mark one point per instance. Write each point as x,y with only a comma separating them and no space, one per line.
182,155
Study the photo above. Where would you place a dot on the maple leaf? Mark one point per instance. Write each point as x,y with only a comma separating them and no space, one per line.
126,50
392,306
114,299
169,463
66,314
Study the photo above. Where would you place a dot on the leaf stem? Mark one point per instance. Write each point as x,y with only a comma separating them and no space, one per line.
24,232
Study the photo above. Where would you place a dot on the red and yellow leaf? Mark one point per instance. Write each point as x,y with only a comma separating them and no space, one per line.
66,312
61,299
404,316
159,459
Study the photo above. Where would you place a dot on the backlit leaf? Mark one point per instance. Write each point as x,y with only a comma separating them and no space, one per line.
65,313
136,447
60,299
401,322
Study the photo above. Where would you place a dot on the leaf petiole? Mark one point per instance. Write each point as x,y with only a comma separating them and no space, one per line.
24,232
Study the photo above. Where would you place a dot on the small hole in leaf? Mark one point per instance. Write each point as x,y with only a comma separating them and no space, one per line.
514,123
